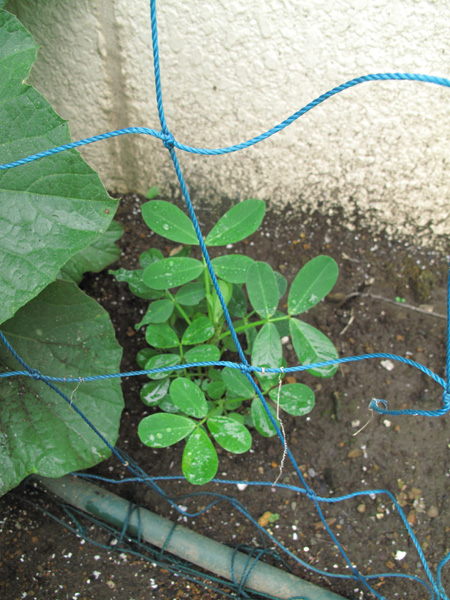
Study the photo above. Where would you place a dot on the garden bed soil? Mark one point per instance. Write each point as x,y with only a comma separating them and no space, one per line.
407,455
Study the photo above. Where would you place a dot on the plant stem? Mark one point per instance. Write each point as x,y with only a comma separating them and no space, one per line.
207,290
254,324
178,307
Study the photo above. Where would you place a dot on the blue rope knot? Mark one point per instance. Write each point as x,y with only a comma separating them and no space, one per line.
311,495
245,368
168,140
35,374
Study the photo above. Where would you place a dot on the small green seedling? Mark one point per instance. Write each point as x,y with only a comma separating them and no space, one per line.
185,323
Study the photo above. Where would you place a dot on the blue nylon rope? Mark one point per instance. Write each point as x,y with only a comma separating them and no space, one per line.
171,144
170,141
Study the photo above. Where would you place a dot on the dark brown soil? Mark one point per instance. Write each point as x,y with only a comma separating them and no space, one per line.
407,455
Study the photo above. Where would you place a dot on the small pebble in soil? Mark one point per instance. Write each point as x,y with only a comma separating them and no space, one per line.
387,364
355,453
433,512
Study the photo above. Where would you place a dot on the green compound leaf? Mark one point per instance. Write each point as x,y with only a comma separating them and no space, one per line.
232,267
312,283
172,272
204,353
96,257
295,398
237,383
161,335
200,461
312,346
159,361
154,391
188,397
169,221
163,429
261,420
61,333
198,331
52,208
158,312
230,434
136,283
191,293
238,223
262,289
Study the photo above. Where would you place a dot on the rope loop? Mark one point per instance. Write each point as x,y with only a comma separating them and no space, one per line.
168,140
446,400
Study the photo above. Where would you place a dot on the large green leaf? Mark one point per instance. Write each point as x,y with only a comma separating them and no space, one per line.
191,293
294,398
162,430
312,283
198,331
200,461
172,272
230,434
61,333
262,289
238,223
169,221
154,391
158,312
261,420
188,397
96,257
232,267
161,335
160,361
267,350
204,353
237,383
52,208
312,346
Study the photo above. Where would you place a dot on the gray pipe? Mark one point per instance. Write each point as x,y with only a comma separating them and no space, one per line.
188,545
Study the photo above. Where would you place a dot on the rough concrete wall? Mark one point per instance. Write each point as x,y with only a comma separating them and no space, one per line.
234,68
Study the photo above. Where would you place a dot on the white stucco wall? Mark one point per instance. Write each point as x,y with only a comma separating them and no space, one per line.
232,69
